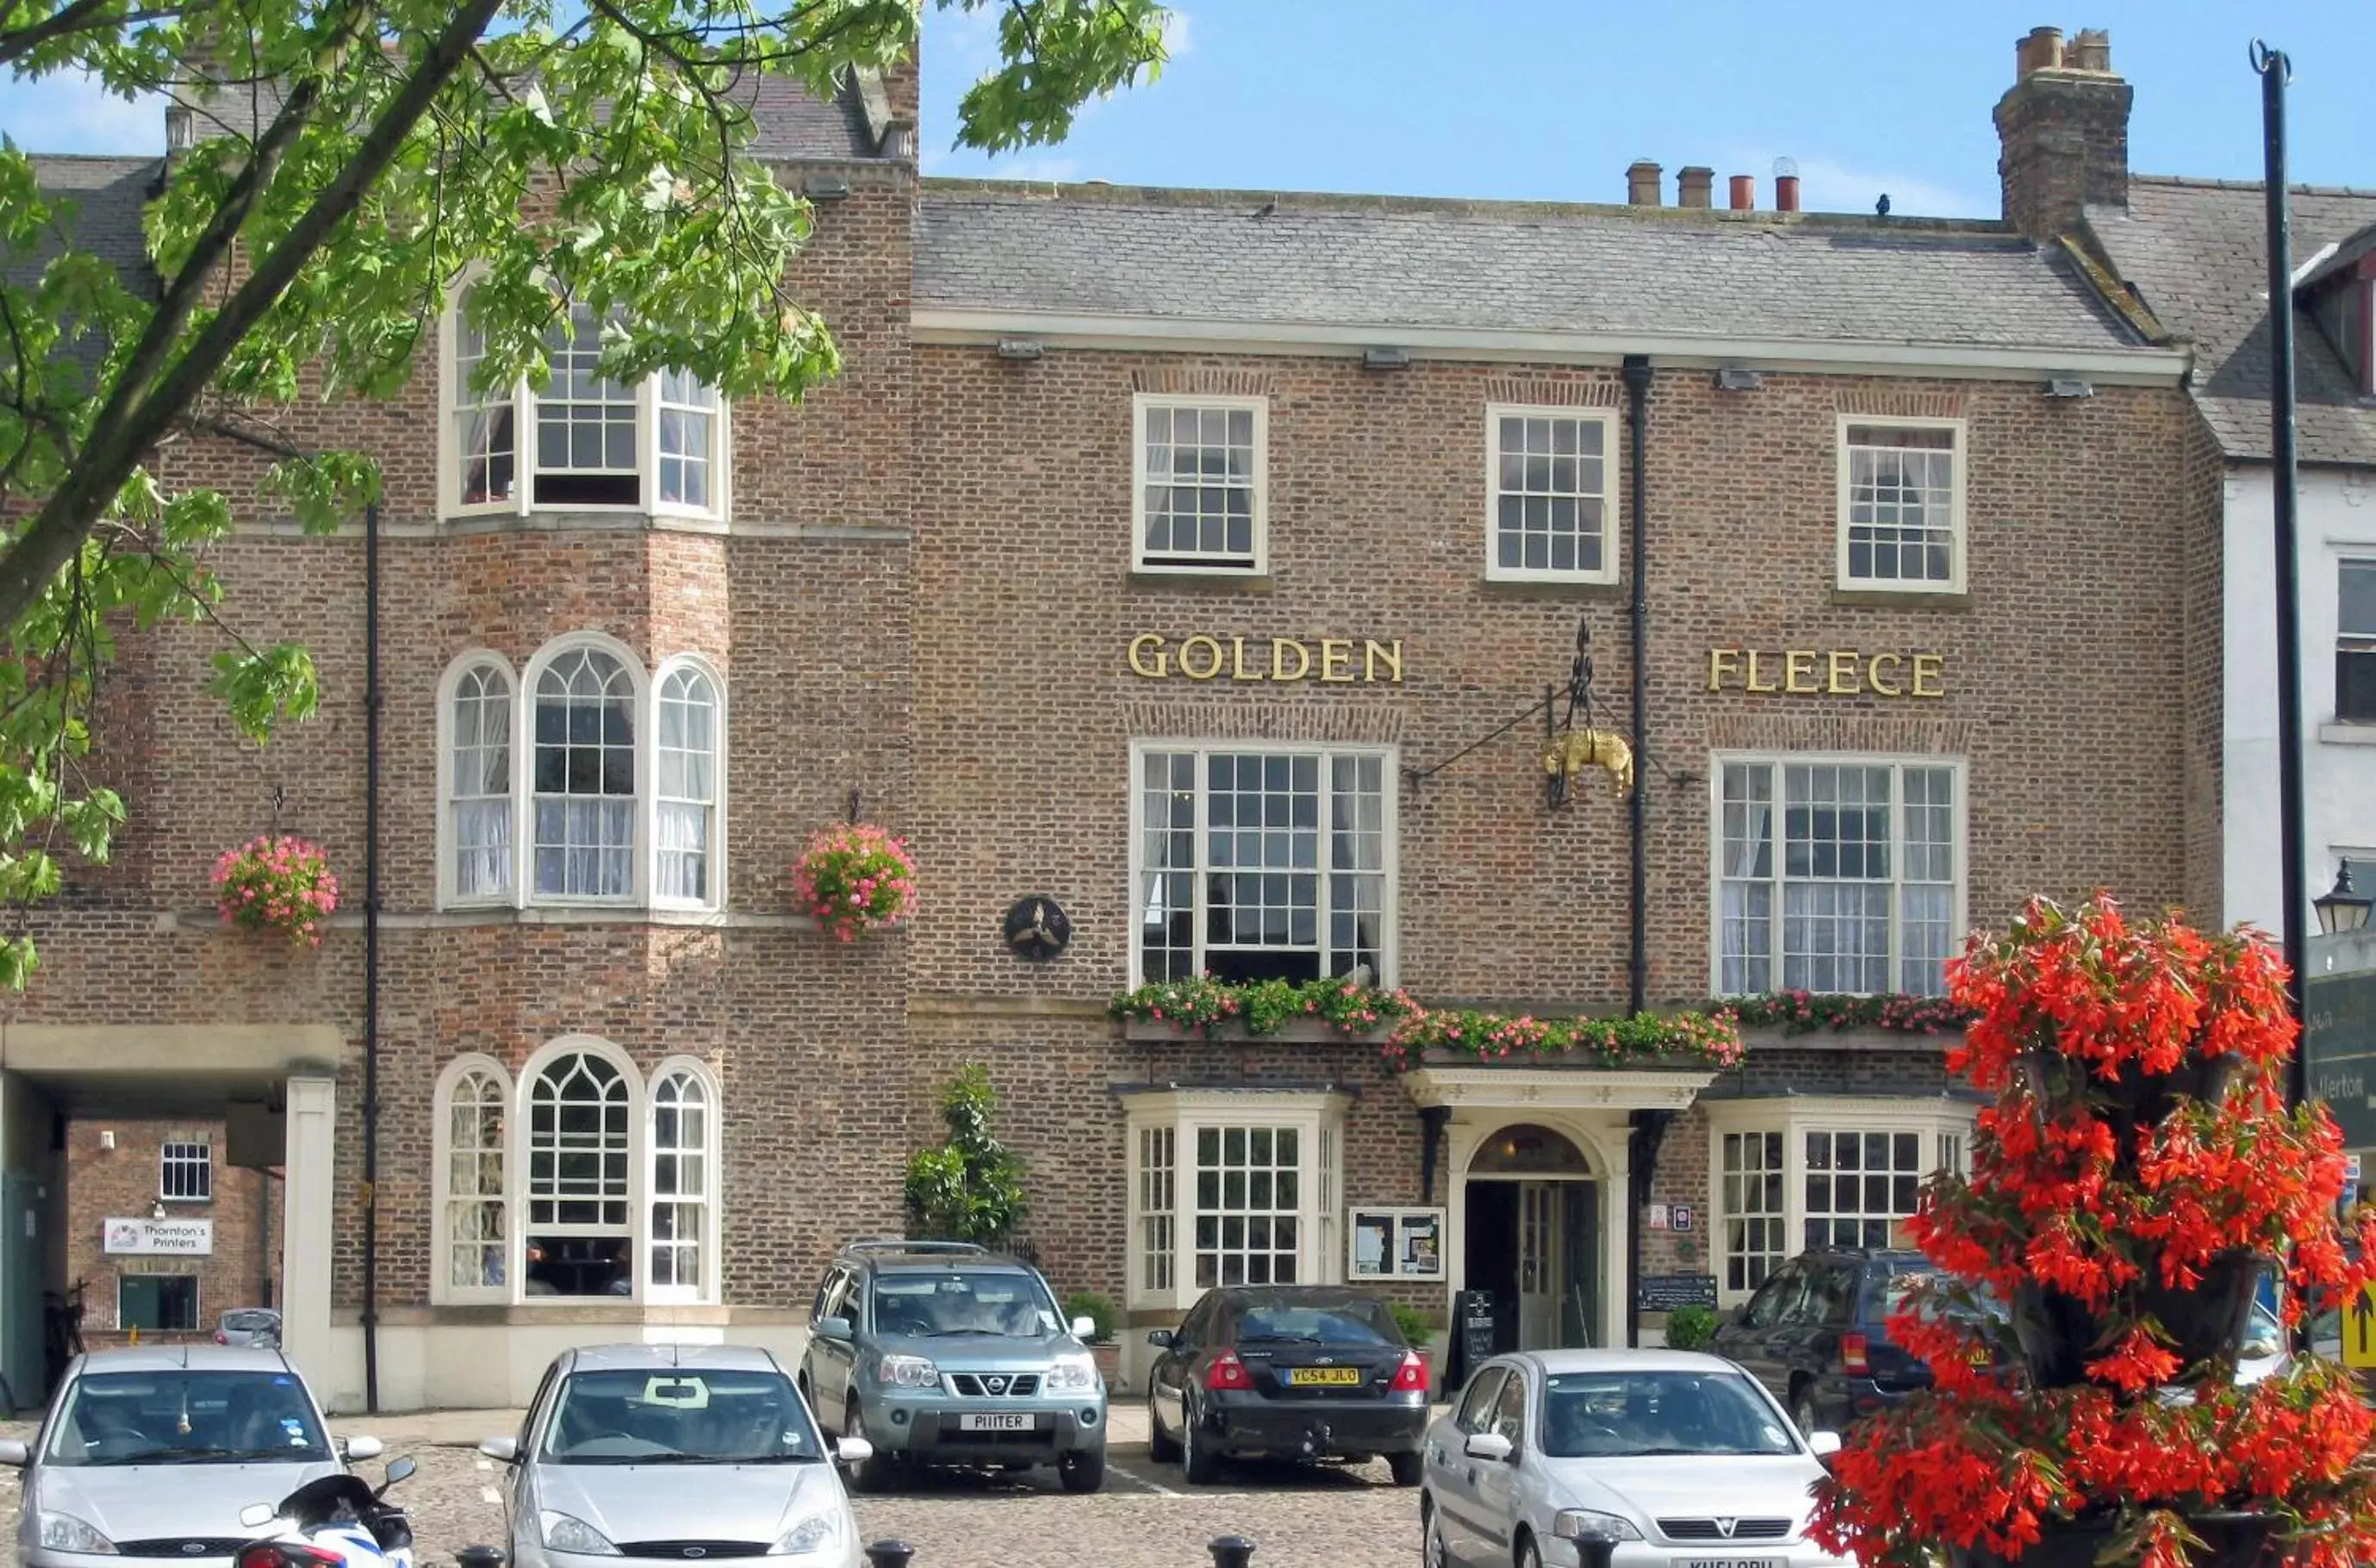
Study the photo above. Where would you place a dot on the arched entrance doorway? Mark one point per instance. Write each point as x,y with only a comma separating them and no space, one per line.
1531,1233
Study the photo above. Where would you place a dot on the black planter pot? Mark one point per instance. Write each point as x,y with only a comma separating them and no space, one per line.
2058,1334
2232,1539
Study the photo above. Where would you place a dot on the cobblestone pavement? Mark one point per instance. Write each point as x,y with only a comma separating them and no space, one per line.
1148,1517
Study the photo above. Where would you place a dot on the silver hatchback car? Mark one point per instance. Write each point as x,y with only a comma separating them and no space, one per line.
663,1453
154,1452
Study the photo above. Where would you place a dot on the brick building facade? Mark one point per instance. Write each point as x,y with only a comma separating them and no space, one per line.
1167,556
163,1235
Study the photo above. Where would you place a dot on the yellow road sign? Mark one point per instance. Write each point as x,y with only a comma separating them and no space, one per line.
2359,1331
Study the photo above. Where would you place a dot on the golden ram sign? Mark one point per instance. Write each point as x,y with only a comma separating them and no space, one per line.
1335,661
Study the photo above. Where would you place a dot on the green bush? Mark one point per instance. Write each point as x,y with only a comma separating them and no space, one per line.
1096,1309
1415,1324
1691,1328
969,1189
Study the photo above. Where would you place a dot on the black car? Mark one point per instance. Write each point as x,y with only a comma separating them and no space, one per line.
1817,1334
1296,1371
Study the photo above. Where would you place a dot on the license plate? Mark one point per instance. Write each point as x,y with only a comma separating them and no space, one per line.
1011,1423
1731,1562
1327,1377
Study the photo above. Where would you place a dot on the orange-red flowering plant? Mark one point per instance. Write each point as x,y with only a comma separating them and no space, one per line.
2135,1176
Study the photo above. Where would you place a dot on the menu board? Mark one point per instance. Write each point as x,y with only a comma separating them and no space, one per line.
1394,1244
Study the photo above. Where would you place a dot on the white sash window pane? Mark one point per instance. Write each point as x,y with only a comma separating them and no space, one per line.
585,422
483,420
585,777
687,754
482,782
687,425
681,1178
474,1182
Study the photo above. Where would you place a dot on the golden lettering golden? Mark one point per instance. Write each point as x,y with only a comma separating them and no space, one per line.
1751,683
1334,651
1212,665
1720,661
1238,670
1280,649
1930,668
1390,654
1844,674
1141,646
1889,688
1796,664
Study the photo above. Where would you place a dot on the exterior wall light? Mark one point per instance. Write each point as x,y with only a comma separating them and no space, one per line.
1385,359
825,187
2341,909
1738,378
2070,386
1020,348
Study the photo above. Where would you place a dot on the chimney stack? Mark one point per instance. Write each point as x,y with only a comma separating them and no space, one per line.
1695,186
1642,178
1744,192
2064,128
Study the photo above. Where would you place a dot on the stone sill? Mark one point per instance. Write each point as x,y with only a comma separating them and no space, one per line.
1772,1036
1563,1062
2347,734
1902,598
1142,579
1300,1031
592,522
593,1314
561,915
1553,589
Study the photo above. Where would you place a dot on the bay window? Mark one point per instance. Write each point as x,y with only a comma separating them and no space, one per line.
1230,1187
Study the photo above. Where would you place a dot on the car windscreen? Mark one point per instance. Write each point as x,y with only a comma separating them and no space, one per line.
676,1416
1331,1323
186,1417
946,1304
1624,1415
250,1322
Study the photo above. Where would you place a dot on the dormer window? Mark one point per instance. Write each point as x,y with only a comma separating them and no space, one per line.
585,442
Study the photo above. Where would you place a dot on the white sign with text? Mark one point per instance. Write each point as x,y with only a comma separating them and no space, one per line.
165,1238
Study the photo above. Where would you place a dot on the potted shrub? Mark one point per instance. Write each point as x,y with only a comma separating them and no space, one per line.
1691,1328
2135,1174
277,883
1103,1347
970,1188
856,878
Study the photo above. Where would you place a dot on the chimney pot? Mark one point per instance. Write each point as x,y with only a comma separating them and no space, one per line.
1786,192
1744,192
2042,51
2091,51
1642,178
1695,187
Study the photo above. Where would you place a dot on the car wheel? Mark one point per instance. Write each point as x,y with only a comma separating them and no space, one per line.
808,1395
1083,1469
1435,1552
1408,1468
1200,1459
1527,1556
870,1474
1802,1411
1161,1446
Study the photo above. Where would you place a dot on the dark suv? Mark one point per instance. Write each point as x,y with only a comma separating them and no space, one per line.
946,1353
1817,1334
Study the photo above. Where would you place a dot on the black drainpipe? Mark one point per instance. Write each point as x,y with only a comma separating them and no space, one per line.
1644,1152
371,958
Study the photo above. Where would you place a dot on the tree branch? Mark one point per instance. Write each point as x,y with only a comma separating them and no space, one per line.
81,15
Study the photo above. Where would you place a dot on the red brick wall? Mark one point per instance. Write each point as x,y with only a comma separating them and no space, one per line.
122,1183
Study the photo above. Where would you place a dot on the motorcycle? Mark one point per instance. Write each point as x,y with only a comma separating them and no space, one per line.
336,1521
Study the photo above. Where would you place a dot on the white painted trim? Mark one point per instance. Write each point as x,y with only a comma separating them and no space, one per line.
524,772
441,1290
1389,850
1527,1090
1611,512
448,685
1140,403
515,1164
716,875
1598,1131
1897,761
1959,524
2110,367
706,1293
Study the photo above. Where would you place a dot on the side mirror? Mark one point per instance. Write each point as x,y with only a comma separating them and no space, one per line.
503,1450
1161,1338
1487,1445
398,1470
255,1516
1822,1444
852,1450
15,1454
833,1328
362,1447
1085,1328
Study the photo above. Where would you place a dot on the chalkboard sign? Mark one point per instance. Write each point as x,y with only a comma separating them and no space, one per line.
1664,1293
1473,1324
2339,1049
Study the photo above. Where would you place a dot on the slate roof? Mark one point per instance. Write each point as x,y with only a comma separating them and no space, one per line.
2195,252
107,195
1091,250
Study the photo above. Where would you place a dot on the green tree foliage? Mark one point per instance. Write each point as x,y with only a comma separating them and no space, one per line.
353,160
969,1189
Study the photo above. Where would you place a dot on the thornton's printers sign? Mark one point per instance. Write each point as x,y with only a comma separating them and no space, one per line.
161,1238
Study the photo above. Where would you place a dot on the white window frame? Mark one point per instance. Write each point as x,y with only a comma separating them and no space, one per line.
1958,916
448,835
1958,511
639,853
442,1289
1611,524
523,401
713,877
1933,1120
166,1159
1258,566
198,1294
2359,644
1390,868
705,1289
1318,1120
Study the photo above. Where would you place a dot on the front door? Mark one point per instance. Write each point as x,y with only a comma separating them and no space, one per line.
1539,1271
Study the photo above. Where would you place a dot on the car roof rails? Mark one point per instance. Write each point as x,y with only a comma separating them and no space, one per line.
868,1244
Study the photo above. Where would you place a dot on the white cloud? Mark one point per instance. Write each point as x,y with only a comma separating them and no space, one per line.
1826,185
1175,32
71,113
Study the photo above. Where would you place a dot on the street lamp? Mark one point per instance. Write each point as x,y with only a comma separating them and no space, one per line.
2341,909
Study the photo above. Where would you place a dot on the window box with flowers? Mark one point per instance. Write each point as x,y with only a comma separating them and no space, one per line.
855,878
277,883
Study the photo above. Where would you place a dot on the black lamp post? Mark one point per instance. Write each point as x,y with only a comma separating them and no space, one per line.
2342,908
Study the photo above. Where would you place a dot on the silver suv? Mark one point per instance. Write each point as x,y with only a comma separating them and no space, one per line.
946,1353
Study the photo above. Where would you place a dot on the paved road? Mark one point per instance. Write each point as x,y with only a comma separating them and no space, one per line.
1148,1517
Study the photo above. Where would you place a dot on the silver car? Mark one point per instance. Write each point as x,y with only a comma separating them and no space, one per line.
154,1452
664,1453
1630,1459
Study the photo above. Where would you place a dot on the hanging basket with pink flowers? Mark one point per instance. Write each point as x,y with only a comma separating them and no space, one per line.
856,878
277,883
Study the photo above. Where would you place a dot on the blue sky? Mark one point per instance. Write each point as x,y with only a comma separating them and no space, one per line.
1551,98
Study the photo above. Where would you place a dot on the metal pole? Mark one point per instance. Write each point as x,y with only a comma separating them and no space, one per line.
2292,847
371,958
1637,954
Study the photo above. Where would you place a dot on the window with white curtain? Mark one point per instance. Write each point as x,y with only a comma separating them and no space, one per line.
687,786
683,1170
480,785
475,1209
1836,874
584,779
